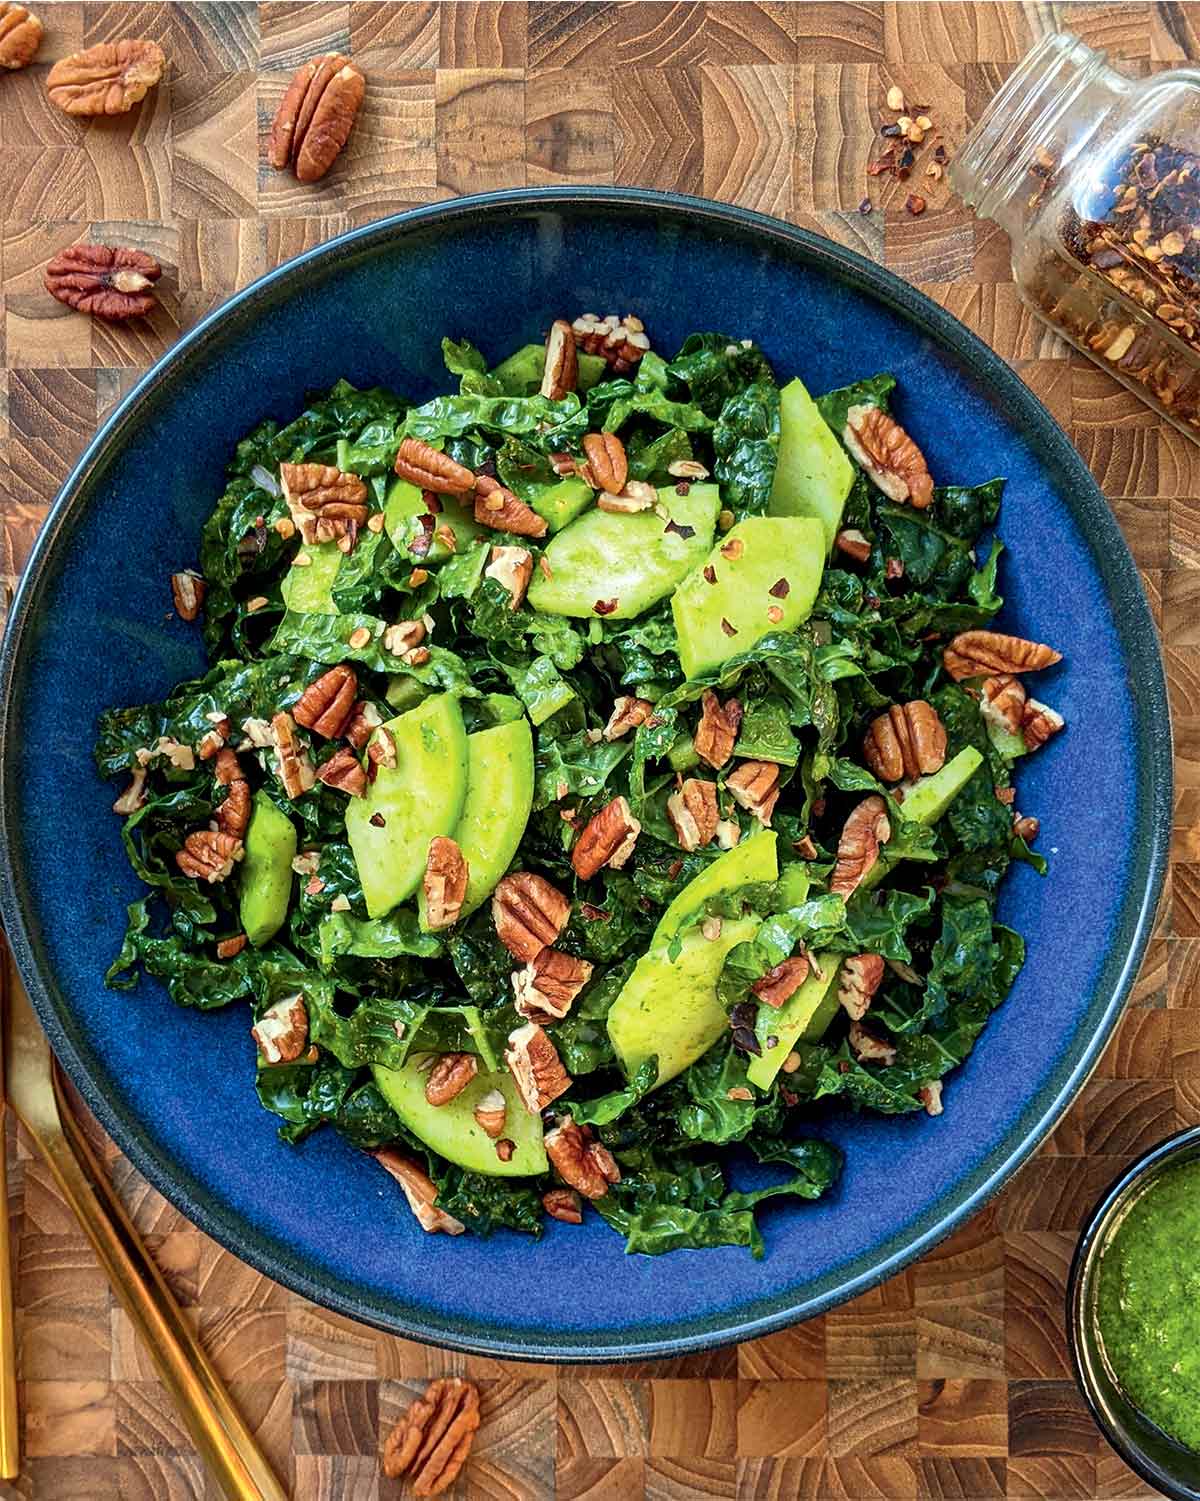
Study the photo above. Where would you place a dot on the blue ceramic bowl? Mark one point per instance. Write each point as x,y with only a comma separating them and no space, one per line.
87,631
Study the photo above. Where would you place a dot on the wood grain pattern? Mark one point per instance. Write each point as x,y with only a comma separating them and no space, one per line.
950,1383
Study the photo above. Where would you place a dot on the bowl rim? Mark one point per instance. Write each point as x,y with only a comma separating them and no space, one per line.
1120,1191
1148,857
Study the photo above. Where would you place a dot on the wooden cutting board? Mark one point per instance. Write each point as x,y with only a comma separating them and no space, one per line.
952,1380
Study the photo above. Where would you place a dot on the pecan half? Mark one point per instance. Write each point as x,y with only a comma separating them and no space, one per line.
209,855
419,1190
227,768
323,501
628,713
693,813
755,787
858,849
445,883
326,704
1003,702
187,592
537,1071
620,342
853,543
930,1095
782,981
234,813
281,1032
344,771
503,511
563,1204
546,987
608,839
364,720
718,729
560,373
292,764
449,1076
1039,722
867,1047
316,115
430,469
105,80
106,281
909,740
608,460
581,1162
860,978
529,913
512,568
890,457
973,653
431,1441
20,36
490,1113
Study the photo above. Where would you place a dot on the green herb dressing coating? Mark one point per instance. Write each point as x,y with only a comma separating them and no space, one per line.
1148,1303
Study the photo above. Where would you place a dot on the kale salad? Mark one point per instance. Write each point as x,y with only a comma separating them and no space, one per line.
602,772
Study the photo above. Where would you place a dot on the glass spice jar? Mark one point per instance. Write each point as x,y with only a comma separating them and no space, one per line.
1096,179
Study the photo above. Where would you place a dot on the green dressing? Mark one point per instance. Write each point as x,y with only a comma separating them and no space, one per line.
1148,1303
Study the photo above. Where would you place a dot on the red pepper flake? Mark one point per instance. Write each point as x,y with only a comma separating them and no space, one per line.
684,531
431,503
377,821
878,168
673,870
915,204
788,1098
605,606
780,589
315,886
894,569
682,488
594,914
710,574
730,630
941,155
890,131
865,206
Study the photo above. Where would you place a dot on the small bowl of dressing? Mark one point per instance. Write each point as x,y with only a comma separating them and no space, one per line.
1133,1315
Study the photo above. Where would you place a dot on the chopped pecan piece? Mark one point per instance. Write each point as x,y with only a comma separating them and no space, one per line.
428,469
782,981
628,713
560,374
909,740
608,461
187,592
230,948
227,768
512,568
728,834
431,1441
234,813
974,653
490,1113
890,457
20,36
445,883
325,706
419,1190
548,984
581,1162
858,849
852,542
930,1095
316,115
755,787
503,512
621,342
449,1076
608,839
134,796
106,281
1026,827
693,813
291,759
529,914
364,720
105,80
869,1048
323,501
718,729
634,497
536,1068
860,978
381,754
1039,722
344,771
1003,702
281,1032
563,1204
209,855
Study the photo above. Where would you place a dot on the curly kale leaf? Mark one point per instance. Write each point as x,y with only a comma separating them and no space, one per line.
715,367
746,443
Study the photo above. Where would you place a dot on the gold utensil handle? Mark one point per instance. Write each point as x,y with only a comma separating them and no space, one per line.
10,1440
216,1427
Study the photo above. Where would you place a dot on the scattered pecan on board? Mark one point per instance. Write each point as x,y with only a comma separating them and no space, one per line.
105,80
316,115
107,281
431,1441
20,36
